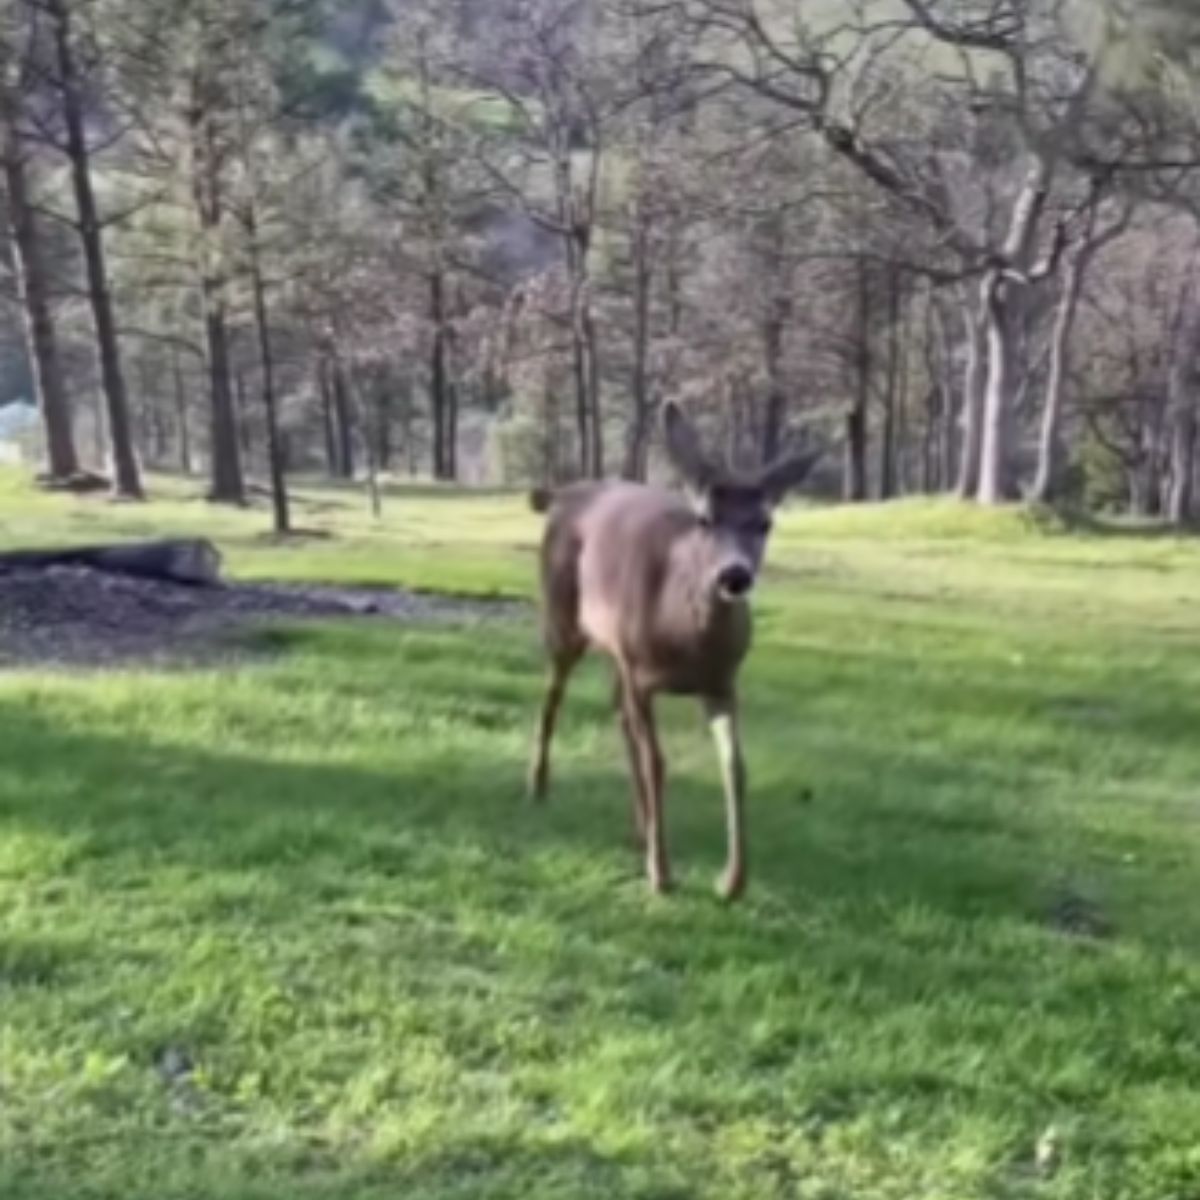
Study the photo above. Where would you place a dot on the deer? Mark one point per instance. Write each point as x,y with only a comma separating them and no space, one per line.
660,582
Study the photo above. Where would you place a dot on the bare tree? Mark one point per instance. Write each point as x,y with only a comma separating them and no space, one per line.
563,107
68,86
1094,237
1016,71
29,265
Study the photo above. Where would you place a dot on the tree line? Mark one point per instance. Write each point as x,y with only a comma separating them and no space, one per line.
951,243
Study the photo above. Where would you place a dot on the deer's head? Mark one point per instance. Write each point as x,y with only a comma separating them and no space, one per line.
735,509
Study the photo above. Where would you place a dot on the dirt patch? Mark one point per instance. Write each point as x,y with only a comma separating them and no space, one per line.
78,616
1075,915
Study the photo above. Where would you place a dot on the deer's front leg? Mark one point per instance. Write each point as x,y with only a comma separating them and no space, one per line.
639,710
722,720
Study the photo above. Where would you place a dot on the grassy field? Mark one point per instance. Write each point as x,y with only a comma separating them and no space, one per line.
314,877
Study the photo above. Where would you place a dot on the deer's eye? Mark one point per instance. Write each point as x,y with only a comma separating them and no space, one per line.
762,526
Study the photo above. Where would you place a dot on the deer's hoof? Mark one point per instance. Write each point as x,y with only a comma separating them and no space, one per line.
731,885
660,884
538,787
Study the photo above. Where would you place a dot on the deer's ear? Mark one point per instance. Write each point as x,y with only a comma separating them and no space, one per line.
684,449
788,473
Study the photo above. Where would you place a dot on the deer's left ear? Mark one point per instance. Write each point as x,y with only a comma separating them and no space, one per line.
788,473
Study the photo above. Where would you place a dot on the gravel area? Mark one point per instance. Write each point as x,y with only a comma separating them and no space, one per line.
71,616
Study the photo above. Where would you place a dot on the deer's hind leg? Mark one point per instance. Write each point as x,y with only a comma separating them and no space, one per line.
638,792
564,640
561,666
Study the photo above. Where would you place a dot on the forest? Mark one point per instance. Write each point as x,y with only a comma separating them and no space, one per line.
314,307
952,245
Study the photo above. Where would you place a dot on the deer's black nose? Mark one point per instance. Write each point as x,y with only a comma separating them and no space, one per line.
735,580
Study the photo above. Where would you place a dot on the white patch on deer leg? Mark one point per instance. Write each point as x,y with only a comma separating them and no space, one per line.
723,723
650,754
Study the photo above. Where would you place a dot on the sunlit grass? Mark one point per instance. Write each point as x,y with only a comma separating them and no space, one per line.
317,876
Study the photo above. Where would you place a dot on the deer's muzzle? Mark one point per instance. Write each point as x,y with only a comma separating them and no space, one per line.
735,581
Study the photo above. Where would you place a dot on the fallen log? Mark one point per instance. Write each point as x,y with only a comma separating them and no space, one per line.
80,482
192,561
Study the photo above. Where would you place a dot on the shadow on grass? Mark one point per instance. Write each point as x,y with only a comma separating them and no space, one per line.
1067,520
888,958
350,494
866,847
464,1168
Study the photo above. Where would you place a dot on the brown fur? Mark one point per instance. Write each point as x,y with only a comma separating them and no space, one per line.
658,585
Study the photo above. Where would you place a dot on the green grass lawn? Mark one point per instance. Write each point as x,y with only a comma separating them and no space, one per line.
317,876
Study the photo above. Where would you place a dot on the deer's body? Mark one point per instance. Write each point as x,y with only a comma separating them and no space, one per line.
630,564
660,586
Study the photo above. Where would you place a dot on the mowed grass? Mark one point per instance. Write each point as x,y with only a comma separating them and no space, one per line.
314,877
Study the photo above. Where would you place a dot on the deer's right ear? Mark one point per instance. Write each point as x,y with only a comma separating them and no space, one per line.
779,478
684,449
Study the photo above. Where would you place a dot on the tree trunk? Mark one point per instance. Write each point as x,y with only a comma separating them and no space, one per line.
383,423
887,447
127,481
582,410
279,495
344,419
406,431
1183,451
551,454
595,418
1153,438
227,485
439,374
1051,452
903,457
974,386
638,432
1135,486
947,442
153,419
997,474
41,341
99,428
357,421
452,432
162,436
431,166
854,475
226,481
1178,424
1183,382
584,351
997,482
244,424
324,391
183,432
931,479
775,417
937,397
